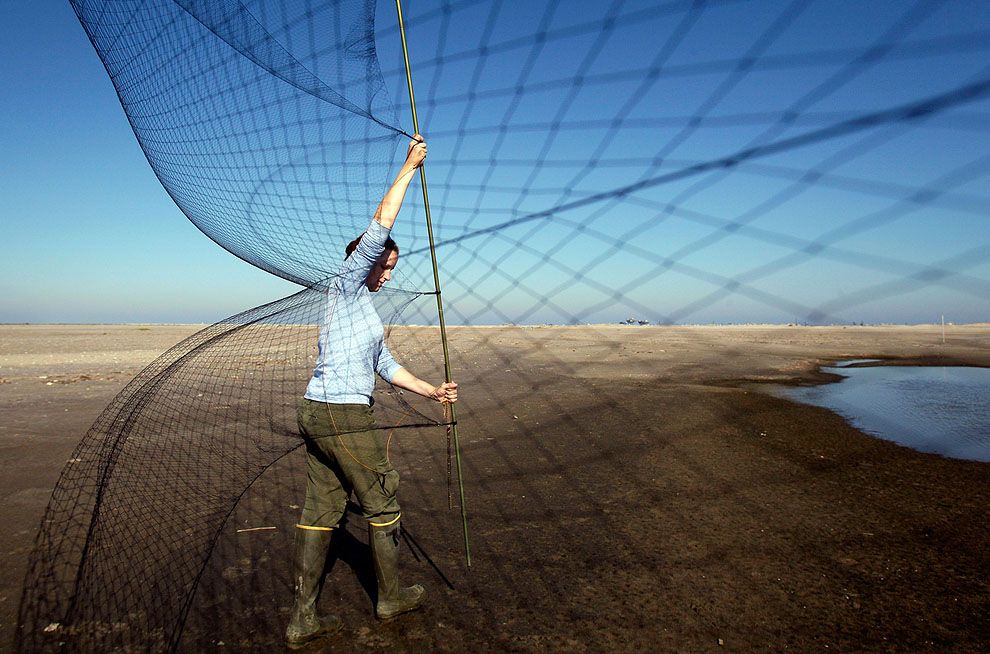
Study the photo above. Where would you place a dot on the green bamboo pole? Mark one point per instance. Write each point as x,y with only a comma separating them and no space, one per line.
436,283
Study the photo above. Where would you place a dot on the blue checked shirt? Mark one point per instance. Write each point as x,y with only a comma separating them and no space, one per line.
352,346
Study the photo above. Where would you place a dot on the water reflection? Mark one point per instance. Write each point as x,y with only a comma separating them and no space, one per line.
933,409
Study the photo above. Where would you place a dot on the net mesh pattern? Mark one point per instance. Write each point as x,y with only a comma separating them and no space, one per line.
590,162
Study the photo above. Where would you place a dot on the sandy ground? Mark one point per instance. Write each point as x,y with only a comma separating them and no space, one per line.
629,488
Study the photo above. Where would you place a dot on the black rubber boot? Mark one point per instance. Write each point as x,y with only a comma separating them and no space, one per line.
311,557
393,600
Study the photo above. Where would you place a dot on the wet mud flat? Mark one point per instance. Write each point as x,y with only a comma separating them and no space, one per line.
627,487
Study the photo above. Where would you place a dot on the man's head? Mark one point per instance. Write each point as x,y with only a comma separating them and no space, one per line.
381,272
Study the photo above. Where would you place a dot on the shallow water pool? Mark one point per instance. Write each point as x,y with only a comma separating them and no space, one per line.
943,410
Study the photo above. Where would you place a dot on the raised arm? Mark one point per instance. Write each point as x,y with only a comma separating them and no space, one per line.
389,207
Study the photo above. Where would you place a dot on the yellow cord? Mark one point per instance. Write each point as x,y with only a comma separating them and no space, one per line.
388,442
351,454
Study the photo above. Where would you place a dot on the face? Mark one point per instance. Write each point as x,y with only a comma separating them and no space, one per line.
382,272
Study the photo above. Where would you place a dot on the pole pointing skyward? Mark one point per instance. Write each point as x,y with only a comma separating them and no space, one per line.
436,282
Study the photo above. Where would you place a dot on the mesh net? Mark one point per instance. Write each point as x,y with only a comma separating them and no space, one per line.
590,163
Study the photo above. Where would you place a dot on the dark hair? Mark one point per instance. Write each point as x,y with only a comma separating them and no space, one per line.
389,245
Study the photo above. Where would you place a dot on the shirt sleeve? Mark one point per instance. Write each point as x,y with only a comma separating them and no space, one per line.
354,271
387,366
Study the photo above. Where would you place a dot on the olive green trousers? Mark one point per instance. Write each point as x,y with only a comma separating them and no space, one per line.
345,453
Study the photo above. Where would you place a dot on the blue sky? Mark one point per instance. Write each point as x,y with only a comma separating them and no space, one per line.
90,235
